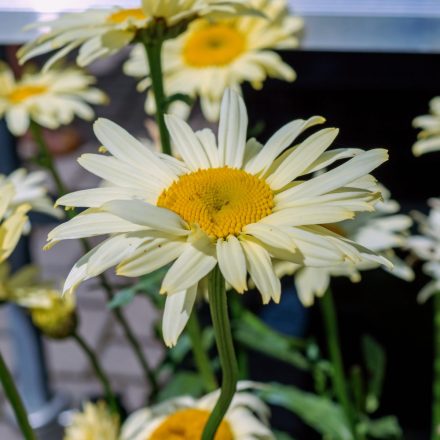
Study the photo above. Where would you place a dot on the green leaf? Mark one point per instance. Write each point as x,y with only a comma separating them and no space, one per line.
282,436
188,100
182,383
254,334
122,298
375,361
386,427
320,413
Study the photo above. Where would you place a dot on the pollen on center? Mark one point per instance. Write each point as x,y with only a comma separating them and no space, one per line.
221,201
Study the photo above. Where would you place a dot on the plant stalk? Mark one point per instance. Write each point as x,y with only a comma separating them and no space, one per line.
14,399
200,357
334,349
223,336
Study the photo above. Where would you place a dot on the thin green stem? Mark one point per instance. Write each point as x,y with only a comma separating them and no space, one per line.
46,161
200,357
225,346
153,49
333,345
94,362
436,371
15,401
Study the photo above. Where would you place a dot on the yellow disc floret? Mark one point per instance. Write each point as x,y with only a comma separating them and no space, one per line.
21,93
126,14
221,201
188,424
214,45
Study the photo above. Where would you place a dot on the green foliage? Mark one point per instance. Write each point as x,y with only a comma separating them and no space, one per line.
384,428
181,384
282,436
322,414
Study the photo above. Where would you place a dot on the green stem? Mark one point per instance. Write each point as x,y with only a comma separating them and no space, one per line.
200,357
46,161
436,371
333,345
153,49
94,362
223,336
15,401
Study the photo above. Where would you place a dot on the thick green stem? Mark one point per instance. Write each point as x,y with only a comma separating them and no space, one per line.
46,161
14,399
94,362
200,357
436,371
333,345
153,49
223,336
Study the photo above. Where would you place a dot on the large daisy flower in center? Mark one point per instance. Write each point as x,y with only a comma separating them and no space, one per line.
229,202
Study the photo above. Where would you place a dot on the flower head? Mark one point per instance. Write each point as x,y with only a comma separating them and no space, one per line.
100,33
229,202
184,418
94,422
214,55
51,99
429,137
426,246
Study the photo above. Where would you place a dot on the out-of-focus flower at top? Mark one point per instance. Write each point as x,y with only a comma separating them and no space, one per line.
214,55
247,418
429,137
426,246
94,422
382,231
100,33
228,201
50,99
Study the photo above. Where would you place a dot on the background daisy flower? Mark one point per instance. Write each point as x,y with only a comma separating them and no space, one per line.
229,202
214,55
381,231
50,99
429,137
100,33
247,418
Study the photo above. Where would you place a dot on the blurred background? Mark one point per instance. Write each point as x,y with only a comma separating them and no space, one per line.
369,67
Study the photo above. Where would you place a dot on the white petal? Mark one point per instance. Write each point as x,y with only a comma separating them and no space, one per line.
17,120
232,263
271,235
232,129
177,311
261,271
208,142
145,214
311,281
187,144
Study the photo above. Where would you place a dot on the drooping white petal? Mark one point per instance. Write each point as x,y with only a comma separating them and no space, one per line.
311,282
232,130
177,311
232,262
271,235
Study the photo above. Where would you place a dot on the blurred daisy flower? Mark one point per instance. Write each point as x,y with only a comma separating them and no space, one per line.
429,137
426,246
247,418
94,422
227,202
50,99
381,231
214,55
100,33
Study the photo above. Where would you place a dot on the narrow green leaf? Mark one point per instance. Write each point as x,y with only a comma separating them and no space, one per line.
282,436
182,383
385,428
122,298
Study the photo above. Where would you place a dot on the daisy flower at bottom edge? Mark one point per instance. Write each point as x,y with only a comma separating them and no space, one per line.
227,201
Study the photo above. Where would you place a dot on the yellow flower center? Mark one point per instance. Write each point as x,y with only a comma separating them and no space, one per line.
215,45
220,200
126,14
21,93
188,424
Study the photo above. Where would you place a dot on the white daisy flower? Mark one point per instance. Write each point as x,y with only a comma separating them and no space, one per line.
229,202
94,422
381,231
100,33
51,99
426,246
247,418
214,55
429,137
